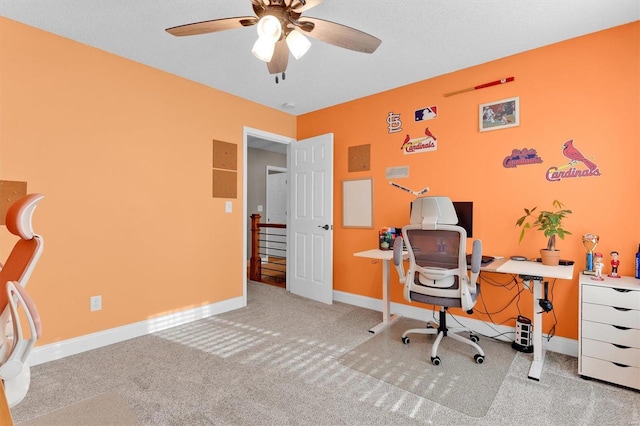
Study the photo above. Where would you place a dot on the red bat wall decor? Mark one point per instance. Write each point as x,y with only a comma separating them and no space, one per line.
482,86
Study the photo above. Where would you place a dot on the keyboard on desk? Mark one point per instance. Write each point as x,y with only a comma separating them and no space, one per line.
484,261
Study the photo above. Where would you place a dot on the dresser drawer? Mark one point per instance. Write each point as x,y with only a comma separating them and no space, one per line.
608,333
610,296
610,315
609,352
610,372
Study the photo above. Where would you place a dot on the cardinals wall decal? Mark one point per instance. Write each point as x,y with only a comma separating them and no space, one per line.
426,143
572,153
576,160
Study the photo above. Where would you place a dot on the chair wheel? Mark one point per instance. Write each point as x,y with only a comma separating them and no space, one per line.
479,358
474,338
435,360
405,340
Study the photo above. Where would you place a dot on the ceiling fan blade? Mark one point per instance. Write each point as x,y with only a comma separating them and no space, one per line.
258,8
213,26
340,35
299,7
280,58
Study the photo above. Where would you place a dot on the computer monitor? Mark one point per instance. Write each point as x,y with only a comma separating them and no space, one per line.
464,211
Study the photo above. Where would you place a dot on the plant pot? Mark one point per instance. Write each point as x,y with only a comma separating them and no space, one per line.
550,257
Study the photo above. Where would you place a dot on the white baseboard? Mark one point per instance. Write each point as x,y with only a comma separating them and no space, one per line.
54,351
58,350
557,344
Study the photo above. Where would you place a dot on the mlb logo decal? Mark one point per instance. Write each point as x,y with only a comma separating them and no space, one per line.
428,113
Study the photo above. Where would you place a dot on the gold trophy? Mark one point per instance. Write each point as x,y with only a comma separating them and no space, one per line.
590,241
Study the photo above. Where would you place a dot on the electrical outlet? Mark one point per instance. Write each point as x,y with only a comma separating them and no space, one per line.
227,207
96,303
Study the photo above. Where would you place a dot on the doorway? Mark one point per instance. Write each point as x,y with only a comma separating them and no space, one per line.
309,164
265,160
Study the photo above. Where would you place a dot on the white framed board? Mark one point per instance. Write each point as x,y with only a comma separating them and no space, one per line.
357,203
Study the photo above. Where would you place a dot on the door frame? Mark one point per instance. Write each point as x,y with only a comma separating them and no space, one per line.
261,134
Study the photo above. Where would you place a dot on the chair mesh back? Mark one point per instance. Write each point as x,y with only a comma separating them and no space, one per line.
435,248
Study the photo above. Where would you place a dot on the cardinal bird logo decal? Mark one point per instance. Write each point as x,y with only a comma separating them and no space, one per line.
422,144
572,153
578,165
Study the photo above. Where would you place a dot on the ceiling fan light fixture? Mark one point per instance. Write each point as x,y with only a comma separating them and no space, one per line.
263,49
269,27
298,44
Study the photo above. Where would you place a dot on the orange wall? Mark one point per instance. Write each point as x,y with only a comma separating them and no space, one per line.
123,154
586,89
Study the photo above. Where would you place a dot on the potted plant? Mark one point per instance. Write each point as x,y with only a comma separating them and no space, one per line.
550,222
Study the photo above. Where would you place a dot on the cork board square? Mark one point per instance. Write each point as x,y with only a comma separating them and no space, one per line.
10,191
225,155
359,158
224,184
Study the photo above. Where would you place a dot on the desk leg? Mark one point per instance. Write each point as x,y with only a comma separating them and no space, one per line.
538,351
387,318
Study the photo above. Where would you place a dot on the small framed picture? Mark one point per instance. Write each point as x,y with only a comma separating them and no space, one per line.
499,114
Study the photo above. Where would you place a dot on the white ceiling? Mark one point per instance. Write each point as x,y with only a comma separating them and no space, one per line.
420,39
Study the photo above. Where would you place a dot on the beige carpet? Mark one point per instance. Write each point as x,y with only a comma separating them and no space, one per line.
275,363
101,410
458,382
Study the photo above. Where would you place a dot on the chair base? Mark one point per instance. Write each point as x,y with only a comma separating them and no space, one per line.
441,330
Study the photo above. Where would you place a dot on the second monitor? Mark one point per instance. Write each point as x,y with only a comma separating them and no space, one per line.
464,211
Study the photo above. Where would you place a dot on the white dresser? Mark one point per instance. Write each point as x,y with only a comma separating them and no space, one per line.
609,330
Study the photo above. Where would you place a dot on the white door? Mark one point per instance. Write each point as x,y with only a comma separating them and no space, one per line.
310,226
276,211
276,197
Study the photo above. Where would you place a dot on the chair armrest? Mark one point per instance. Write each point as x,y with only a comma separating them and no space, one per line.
398,258
476,260
476,256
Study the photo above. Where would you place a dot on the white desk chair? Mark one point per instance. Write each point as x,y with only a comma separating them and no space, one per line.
437,272
14,299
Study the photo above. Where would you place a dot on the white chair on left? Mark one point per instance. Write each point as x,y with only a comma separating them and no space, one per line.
19,332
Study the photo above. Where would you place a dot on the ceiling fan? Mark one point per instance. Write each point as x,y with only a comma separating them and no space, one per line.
282,29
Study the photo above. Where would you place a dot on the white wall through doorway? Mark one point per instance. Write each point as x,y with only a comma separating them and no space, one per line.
276,210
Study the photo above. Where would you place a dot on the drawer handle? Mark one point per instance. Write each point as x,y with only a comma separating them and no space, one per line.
622,290
619,327
621,309
619,365
621,346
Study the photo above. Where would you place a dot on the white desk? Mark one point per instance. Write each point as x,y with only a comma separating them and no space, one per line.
529,271
536,272
385,256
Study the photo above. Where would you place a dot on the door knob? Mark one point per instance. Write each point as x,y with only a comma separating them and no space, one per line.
326,227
